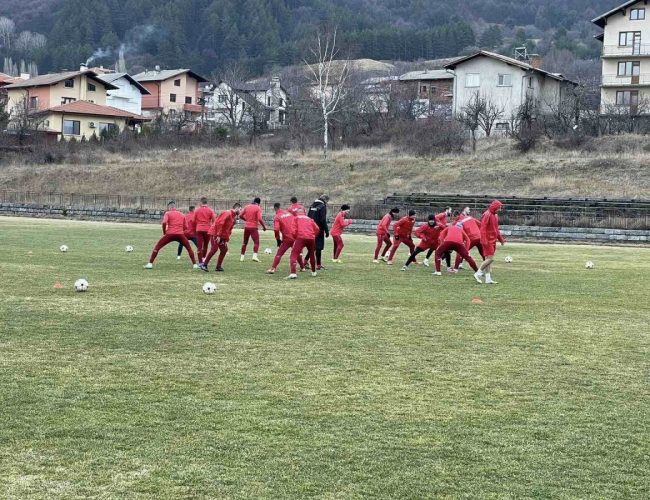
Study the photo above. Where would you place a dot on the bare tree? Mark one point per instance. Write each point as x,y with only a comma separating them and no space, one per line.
328,78
7,30
470,116
527,128
25,122
489,113
228,102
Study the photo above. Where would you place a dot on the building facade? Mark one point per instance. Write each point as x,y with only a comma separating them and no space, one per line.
173,92
507,83
128,95
625,84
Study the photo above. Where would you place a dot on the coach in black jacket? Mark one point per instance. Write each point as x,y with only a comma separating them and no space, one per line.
318,212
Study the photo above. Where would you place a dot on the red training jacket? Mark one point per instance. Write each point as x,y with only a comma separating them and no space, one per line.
297,209
340,223
490,224
252,216
173,222
404,227
429,235
189,225
203,218
384,226
455,234
305,228
223,226
470,225
286,225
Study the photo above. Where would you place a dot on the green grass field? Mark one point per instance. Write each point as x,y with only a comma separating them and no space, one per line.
363,382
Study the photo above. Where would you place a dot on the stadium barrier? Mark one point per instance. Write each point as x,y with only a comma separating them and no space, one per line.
545,212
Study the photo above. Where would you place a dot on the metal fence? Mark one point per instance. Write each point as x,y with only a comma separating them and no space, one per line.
616,214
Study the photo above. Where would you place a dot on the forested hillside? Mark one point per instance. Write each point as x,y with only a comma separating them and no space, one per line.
205,34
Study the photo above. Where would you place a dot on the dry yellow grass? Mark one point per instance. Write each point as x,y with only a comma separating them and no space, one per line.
351,174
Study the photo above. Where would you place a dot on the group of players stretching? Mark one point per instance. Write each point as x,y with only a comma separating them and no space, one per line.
298,230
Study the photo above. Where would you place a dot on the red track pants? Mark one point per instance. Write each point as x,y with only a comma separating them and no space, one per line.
398,241
474,244
459,248
383,239
255,235
286,245
298,246
215,247
166,240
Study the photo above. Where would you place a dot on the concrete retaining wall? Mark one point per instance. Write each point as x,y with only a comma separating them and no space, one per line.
535,233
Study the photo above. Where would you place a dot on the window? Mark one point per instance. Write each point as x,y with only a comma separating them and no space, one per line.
505,80
172,97
629,68
71,127
281,117
423,89
243,106
69,84
530,82
281,102
67,100
177,83
637,14
33,103
473,80
91,87
502,127
188,100
268,101
627,98
629,38
107,128
223,98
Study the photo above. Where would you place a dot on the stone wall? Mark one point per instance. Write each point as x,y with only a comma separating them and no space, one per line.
533,233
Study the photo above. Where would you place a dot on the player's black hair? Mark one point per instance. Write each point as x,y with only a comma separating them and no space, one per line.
204,201
345,207
236,206
293,199
431,217
394,210
411,213
192,207
276,206
257,200
172,202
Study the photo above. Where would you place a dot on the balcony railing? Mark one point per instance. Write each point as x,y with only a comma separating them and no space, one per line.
625,81
639,49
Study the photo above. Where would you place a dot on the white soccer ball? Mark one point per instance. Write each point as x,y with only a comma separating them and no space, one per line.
209,288
81,285
589,265
129,249
63,248
509,259
268,251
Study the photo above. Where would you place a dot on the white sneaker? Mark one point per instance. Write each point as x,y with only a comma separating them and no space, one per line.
195,266
404,268
426,262
437,273
477,276
461,266
375,261
389,262
491,282
384,258
149,266
255,259
242,258
292,277
314,274
178,257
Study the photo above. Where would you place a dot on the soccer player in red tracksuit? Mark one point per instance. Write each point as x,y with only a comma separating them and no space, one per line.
296,208
490,234
203,219
221,231
473,229
284,228
429,234
402,231
383,235
340,223
173,227
304,235
454,239
252,217
189,231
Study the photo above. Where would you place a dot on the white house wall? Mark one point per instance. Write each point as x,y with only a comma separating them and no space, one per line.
127,97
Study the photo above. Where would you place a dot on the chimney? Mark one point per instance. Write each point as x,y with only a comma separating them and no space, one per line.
83,67
25,76
157,68
535,61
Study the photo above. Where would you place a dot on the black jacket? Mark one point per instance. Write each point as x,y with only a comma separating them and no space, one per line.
318,212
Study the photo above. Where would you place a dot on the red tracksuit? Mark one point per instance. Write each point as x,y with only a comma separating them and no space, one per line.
284,225
490,232
203,219
340,223
221,231
305,232
173,224
402,231
454,239
429,236
252,217
297,209
383,236
473,229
